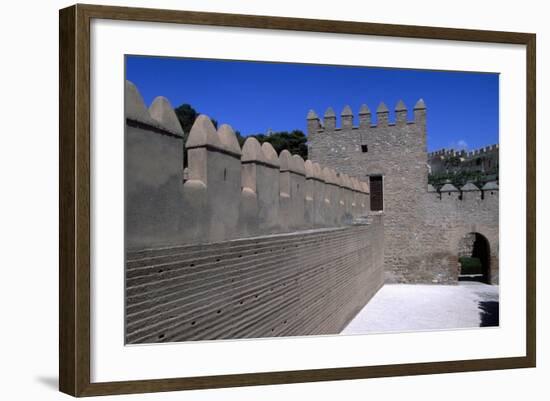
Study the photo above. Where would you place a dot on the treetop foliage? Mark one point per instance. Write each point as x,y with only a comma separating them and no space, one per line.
294,141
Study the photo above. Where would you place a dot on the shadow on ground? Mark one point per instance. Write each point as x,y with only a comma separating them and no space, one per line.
488,313
50,382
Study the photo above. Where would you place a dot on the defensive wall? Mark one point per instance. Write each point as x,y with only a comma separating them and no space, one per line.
484,160
422,226
301,283
244,242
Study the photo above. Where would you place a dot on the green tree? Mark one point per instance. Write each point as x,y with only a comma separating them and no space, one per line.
187,115
294,141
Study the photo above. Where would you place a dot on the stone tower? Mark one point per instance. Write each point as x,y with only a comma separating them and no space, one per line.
392,156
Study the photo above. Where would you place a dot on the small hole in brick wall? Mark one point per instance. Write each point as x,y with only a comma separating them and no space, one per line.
284,322
218,259
240,256
160,270
491,192
193,323
161,336
219,311
256,296
449,193
224,174
192,265
364,148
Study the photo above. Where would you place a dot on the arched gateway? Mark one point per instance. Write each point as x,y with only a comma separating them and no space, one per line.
474,255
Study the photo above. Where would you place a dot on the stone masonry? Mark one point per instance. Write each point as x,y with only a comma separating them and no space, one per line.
423,227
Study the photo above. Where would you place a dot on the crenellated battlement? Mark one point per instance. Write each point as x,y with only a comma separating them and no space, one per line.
468,192
483,160
364,118
160,117
463,153
226,191
229,191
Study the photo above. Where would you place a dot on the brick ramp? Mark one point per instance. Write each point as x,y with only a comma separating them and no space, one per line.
303,283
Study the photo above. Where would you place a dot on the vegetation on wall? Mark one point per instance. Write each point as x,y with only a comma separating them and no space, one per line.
470,265
460,178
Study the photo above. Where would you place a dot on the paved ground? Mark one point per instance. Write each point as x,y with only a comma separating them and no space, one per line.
411,307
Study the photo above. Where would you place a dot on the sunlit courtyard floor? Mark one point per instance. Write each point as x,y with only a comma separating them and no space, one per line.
410,307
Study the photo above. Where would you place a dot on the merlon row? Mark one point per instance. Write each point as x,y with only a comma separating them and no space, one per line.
382,115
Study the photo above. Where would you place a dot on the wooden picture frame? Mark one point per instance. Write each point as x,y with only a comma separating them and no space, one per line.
74,204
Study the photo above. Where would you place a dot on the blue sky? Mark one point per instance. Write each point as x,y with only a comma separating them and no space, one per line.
254,97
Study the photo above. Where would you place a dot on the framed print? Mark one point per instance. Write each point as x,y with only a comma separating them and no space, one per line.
250,200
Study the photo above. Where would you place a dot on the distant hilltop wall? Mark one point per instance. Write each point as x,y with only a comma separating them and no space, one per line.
227,191
483,160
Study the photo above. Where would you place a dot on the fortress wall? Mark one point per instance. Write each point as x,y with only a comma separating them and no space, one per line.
422,227
302,283
448,218
228,192
153,168
484,159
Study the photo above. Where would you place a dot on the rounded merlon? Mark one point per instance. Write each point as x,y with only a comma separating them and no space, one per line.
308,165
400,106
382,108
203,133
330,113
311,115
420,105
448,188
162,111
327,176
229,139
252,151
270,155
364,110
318,171
297,165
346,112
134,106
469,187
285,160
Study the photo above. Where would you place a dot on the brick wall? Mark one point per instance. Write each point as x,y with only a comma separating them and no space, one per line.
309,282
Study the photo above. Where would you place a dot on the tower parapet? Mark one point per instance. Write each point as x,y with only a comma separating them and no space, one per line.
365,118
